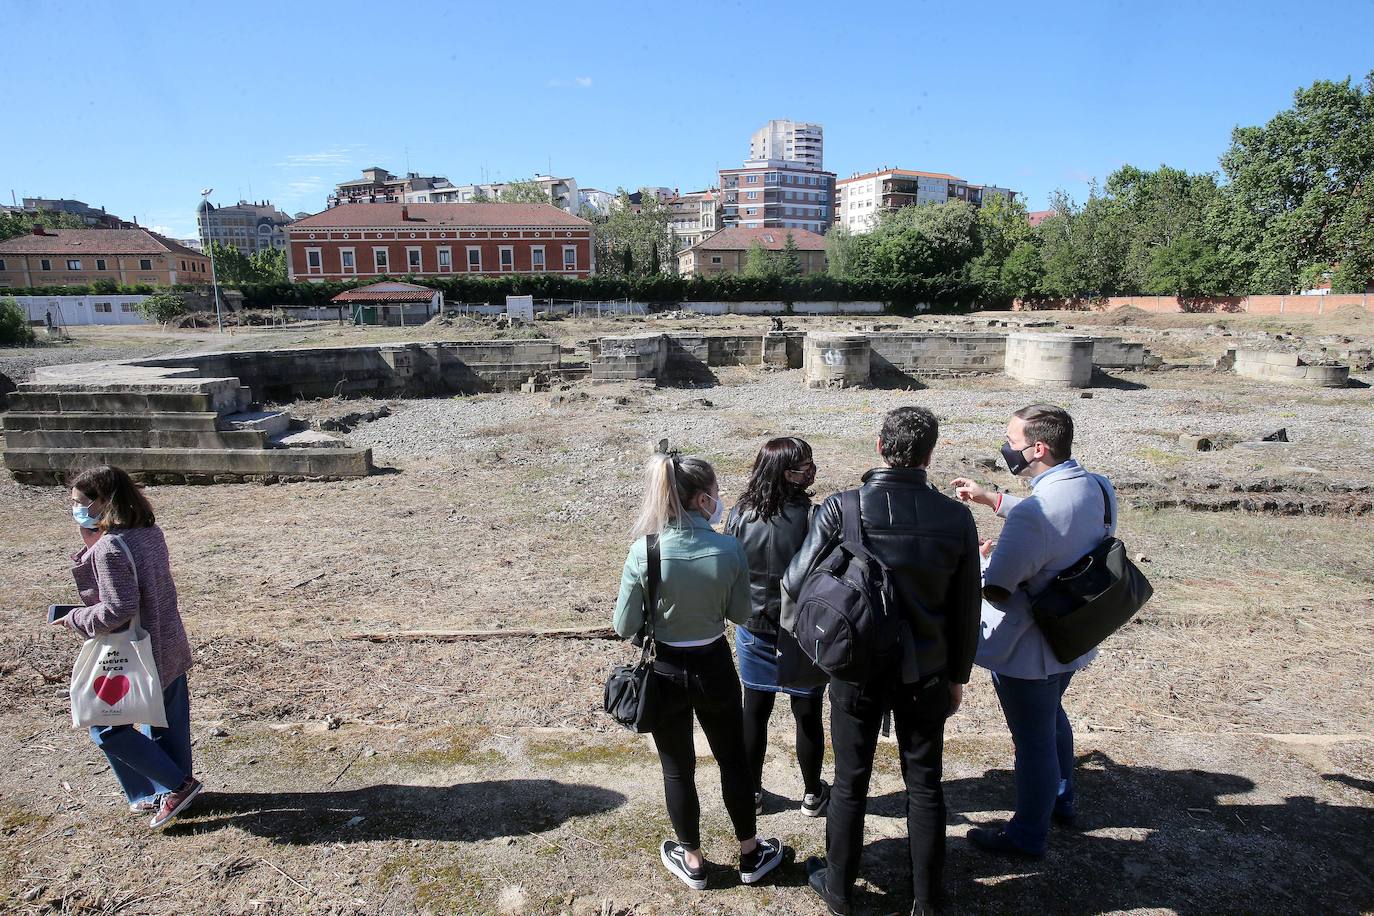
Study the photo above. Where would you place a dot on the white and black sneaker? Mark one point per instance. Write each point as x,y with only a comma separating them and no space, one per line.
816,805
758,802
676,862
766,856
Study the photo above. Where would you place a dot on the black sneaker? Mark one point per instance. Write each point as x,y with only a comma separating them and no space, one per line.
673,859
766,856
816,805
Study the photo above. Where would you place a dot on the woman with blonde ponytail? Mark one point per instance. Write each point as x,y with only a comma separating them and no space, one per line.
704,581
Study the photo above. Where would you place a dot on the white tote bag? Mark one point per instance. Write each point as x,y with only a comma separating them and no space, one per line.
115,680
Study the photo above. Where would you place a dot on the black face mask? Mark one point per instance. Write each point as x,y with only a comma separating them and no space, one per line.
1015,458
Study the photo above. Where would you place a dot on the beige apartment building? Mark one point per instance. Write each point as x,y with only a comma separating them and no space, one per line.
70,257
693,216
727,251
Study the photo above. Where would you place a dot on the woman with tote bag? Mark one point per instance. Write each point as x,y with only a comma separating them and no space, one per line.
129,683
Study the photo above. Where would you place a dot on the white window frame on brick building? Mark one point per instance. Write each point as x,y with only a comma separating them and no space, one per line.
570,263
73,264
537,263
145,264
415,259
314,260
44,264
348,260
381,265
474,267
445,260
505,258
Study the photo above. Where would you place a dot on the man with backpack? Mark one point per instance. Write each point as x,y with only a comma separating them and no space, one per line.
894,619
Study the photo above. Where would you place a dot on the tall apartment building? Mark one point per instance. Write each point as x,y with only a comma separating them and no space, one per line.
791,141
247,226
694,216
860,198
71,257
378,186
562,192
777,194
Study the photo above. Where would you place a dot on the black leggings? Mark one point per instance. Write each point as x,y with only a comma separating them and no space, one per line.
701,680
758,707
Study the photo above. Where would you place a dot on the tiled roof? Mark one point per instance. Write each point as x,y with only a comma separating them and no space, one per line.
740,239
1039,216
903,173
368,216
95,242
387,291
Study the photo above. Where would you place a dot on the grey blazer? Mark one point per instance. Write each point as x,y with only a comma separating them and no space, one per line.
1045,533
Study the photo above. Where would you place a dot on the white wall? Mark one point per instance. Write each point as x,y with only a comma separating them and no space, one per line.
78,310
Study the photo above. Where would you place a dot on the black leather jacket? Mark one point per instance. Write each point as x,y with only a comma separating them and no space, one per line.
770,546
931,545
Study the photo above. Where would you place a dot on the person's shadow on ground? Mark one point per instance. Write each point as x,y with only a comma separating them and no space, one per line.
466,811
1192,845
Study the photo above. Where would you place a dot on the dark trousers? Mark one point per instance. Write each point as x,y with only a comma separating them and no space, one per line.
701,680
1043,738
918,714
758,708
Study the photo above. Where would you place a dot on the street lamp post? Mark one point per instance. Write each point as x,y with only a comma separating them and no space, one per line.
210,243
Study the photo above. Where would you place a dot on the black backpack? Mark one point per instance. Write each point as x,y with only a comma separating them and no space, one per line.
848,619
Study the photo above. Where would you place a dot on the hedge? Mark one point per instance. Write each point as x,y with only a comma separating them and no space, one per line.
661,290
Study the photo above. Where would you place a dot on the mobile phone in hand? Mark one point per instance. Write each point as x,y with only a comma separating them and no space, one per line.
57,611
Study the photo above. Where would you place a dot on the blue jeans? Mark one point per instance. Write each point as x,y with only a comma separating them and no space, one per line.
150,761
1044,754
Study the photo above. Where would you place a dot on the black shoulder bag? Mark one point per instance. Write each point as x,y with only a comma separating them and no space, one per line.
630,697
1093,598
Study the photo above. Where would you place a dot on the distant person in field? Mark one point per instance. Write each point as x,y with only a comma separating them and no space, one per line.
153,765
771,519
704,582
1044,534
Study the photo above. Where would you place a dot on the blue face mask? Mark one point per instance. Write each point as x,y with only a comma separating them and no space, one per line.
83,517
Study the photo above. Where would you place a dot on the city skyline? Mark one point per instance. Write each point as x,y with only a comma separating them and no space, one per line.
1079,93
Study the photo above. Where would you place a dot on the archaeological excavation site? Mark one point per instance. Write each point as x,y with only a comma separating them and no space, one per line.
397,552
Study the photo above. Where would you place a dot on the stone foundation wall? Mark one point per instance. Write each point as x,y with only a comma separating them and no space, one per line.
901,354
1115,353
1283,367
836,360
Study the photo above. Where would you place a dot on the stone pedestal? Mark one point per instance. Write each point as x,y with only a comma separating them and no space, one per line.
1050,359
836,360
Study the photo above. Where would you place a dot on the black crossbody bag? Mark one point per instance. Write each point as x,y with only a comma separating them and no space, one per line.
631,697
1093,598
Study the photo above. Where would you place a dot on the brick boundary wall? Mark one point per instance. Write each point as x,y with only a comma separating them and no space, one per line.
1247,305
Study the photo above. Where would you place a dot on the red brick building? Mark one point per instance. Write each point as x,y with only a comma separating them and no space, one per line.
437,240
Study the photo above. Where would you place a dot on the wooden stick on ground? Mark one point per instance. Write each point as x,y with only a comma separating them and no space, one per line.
475,635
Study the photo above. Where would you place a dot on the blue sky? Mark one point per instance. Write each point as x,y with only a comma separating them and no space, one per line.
138,105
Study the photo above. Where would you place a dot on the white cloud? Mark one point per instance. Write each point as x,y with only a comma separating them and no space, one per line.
306,185
584,82
164,230
338,155
580,82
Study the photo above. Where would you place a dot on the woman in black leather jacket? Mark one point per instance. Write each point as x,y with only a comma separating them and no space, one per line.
771,519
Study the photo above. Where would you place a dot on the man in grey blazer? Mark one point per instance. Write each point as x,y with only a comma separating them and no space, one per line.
1045,533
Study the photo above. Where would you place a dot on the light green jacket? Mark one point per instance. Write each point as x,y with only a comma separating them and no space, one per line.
705,582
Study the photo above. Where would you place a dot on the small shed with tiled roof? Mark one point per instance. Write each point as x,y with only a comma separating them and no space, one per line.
392,302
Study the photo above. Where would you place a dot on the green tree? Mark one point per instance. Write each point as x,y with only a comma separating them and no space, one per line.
231,265
268,265
1300,191
1156,210
1002,225
17,224
1187,268
759,261
15,330
1082,248
163,307
646,233
841,250
524,192
1023,273
789,261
